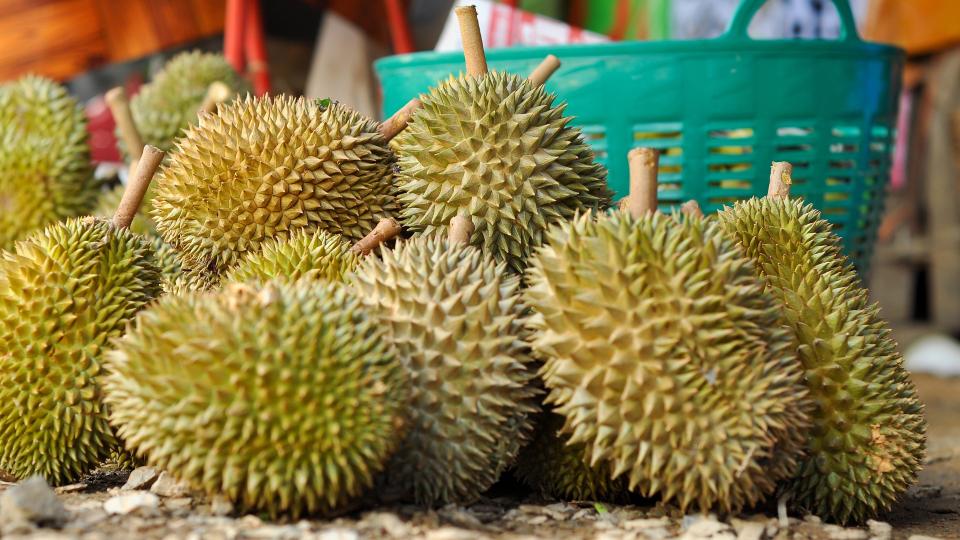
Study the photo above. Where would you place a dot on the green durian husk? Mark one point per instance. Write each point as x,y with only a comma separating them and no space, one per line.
125,461
264,168
65,292
284,398
45,170
496,149
867,442
171,267
559,470
170,102
187,280
668,359
456,319
317,256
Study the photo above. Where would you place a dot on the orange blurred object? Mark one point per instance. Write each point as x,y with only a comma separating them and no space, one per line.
61,38
919,26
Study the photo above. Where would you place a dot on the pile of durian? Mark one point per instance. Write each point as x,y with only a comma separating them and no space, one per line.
312,311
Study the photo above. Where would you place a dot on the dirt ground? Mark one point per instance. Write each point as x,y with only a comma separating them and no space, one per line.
933,506
930,510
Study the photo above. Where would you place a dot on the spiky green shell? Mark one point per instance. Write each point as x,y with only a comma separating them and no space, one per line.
285,398
316,255
169,104
456,318
64,292
125,461
556,469
45,171
264,168
190,280
668,359
167,257
109,201
868,437
495,148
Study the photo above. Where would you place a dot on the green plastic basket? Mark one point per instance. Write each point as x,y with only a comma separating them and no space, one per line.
721,110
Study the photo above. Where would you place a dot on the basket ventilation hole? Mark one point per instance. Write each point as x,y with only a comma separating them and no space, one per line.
668,139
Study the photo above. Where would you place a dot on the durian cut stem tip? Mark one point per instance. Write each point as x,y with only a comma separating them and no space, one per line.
137,187
392,126
544,70
119,105
644,163
385,230
691,208
472,40
780,180
461,228
218,92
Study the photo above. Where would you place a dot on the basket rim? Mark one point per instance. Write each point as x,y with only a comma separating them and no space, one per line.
700,47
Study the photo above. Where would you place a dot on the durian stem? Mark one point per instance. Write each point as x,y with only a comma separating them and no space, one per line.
472,41
385,230
137,187
644,164
217,93
461,228
691,208
398,122
116,99
547,67
780,180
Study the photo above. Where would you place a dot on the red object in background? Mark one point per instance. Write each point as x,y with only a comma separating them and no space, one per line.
233,42
244,45
399,30
255,49
102,128
620,21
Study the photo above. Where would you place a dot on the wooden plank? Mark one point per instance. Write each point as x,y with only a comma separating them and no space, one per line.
173,22
128,29
11,7
892,284
61,64
942,194
57,38
209,15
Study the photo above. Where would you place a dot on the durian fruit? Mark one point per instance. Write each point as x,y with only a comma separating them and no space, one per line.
665,355
190,280
556,469
867,442
494,147
316,255
171,266
65,291
283,397
167,258
45,171
264,168
456,319
169,104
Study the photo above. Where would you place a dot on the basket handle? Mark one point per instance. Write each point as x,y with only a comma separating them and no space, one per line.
748,8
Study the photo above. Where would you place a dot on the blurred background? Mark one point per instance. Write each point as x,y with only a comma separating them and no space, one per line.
325,48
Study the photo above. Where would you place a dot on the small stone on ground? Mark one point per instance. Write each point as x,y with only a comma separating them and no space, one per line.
131,501
31,502
141,478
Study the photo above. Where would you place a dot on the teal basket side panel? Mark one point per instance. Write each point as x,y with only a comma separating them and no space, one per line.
720,116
